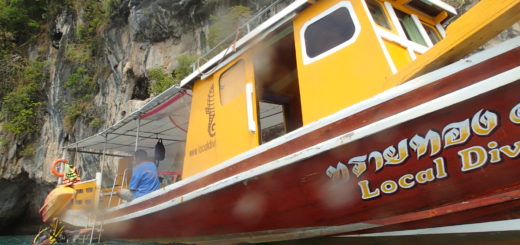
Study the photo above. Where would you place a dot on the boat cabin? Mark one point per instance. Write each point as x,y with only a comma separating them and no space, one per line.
329,56
307,61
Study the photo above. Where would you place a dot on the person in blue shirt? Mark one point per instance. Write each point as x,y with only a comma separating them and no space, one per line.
144,177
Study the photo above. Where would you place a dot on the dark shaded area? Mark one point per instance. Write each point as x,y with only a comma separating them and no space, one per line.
140,91
20,200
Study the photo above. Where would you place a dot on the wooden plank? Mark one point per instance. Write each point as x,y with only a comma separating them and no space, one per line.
473,29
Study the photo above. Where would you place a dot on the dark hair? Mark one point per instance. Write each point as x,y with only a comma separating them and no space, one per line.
141,155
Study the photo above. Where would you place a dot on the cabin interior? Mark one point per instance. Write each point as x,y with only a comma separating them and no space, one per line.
331,55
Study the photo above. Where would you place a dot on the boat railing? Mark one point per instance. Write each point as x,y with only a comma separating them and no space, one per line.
244,29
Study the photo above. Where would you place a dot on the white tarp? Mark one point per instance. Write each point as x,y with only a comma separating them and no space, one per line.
165,116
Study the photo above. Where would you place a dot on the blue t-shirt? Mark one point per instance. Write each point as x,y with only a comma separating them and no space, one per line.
144,179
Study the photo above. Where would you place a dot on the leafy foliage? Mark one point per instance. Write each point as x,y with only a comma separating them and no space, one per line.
21,106
161,80
19,20
82,88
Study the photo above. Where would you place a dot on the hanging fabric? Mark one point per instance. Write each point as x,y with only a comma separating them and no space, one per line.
159,151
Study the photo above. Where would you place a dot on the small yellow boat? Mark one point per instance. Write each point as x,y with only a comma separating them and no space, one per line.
56,202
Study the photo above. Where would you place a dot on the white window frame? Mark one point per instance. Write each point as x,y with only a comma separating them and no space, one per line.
343,4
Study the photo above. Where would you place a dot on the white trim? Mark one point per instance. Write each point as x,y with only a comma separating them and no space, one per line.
441,30
421,29
251,124
411,53
343,4
493,226
395,20
245,48
404,42
443,6
351,110
439,103
376,28
261,29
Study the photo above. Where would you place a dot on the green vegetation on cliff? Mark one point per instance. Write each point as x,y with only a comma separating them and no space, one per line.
161,80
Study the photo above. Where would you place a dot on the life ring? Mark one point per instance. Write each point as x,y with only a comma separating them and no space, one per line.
53,167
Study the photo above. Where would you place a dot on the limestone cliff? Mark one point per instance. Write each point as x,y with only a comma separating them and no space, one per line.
115,57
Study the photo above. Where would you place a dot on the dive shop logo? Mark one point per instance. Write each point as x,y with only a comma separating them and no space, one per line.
210,111
471,157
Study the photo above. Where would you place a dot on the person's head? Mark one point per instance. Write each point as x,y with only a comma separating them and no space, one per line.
140,156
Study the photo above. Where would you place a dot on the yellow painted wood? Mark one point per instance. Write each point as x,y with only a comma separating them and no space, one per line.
344,77
400,55
84,199
229,136
481,23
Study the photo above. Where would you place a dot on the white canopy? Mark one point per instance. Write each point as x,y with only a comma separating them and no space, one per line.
163,117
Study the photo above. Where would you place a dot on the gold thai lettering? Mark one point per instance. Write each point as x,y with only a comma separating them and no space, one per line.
377,158
340,172
360,165
456,133
514,115
395,156
484,122
420,144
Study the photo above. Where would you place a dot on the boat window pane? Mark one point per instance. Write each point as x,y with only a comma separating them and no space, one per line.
378,14
434,37
410,28
232,82
329,32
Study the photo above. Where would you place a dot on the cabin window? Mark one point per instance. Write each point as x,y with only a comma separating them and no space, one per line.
378,14
330,31
231,82
434,37
410,28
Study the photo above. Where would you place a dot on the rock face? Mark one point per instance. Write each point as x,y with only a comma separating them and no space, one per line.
141,35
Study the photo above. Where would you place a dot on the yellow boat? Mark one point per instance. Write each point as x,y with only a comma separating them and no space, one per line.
56,202
330,118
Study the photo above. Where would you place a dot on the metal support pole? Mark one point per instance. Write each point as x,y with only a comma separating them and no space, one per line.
102,163
137,133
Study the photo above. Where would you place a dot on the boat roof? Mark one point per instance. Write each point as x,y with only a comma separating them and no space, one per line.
235,48
164,116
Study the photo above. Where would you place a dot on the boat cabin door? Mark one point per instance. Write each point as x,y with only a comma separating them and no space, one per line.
223,118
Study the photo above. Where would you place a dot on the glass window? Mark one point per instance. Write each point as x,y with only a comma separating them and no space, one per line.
410,28
378,14
432,34
329,32
232,82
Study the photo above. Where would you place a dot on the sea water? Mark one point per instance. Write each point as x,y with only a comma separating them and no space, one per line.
27,240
